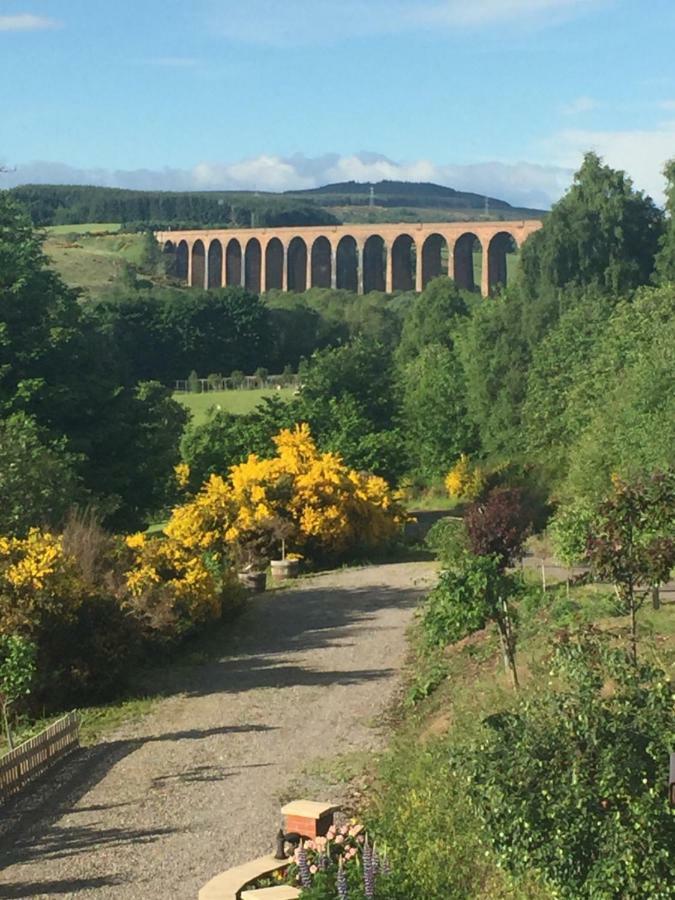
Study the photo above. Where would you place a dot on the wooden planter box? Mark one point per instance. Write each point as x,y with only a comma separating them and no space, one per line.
283,569
308,819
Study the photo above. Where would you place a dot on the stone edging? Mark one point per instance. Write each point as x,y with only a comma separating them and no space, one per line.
227,885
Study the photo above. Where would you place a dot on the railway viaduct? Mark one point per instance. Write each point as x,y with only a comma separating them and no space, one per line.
359,258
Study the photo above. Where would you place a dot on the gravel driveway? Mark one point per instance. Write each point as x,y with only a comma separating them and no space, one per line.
192,789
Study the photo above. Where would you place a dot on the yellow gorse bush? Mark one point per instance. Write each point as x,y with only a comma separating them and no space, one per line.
37,578
168,580
327,506
465,480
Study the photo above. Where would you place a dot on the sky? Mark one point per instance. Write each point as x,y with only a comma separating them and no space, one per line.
501,97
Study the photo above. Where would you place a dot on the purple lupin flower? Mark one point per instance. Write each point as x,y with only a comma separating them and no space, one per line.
342,889
376,861
303,868
368,871
384,866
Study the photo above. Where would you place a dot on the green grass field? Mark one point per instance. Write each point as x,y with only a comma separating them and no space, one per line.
91,261
86,228
237,402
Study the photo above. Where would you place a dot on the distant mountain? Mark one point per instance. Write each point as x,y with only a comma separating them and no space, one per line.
422,194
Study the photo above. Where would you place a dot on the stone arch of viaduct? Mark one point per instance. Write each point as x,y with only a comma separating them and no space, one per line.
360,258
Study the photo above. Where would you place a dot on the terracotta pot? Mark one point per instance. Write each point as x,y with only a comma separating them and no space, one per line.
283,569
254,581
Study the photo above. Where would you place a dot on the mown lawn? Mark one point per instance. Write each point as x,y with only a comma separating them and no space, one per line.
237,402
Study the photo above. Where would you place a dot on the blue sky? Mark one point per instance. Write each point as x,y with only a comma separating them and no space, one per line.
497,96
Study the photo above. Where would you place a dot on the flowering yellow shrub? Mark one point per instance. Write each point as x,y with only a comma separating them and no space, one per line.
171,586
465,480
321,505
37,578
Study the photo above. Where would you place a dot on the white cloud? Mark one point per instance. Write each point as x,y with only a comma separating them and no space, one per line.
668,105
580,105
521,184
26,22
479,13
297,22
642,153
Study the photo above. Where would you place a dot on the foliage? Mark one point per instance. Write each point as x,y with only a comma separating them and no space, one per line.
333,510
173,587
631,542
465,480
558,362
349,399
17,671
447,538
665,260
434,839
569,530
433,318
621,408
497,525
51,204
343,865
464,600
225,440
58,369
583,761
164,333
602,234
495,354
38,477
434,415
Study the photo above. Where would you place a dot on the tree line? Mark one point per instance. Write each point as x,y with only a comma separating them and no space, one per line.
53,204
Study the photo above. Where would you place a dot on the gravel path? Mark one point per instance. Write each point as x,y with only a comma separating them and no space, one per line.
194,788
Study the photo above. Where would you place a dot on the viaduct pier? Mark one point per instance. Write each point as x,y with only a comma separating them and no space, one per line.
359,258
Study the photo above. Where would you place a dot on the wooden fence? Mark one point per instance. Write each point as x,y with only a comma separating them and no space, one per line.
36,755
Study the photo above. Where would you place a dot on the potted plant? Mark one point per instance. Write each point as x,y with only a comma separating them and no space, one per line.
251,563
289,564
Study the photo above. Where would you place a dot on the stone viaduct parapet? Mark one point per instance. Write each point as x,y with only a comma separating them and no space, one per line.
360,258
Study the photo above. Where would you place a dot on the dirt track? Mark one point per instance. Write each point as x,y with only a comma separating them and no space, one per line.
165,804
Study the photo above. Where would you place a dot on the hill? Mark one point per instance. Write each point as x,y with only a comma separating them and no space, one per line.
330,204
397,193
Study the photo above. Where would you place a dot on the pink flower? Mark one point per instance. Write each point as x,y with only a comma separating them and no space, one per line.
313,870
339,839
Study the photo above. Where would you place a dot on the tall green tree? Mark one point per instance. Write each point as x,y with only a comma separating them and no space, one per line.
495,357
432,319
39,481
603,234
57,367
665,261
435,419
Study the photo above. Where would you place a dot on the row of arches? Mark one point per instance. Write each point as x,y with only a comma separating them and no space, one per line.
404,265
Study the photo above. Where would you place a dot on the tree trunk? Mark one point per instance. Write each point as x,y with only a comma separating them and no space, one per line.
633,630
543,575
656,598
8,730
508,643
502,641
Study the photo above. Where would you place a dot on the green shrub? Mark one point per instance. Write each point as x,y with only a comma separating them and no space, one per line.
447,539
572,782
464,601
433,838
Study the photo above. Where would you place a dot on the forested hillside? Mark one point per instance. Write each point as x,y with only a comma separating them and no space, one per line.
73,204
76,204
